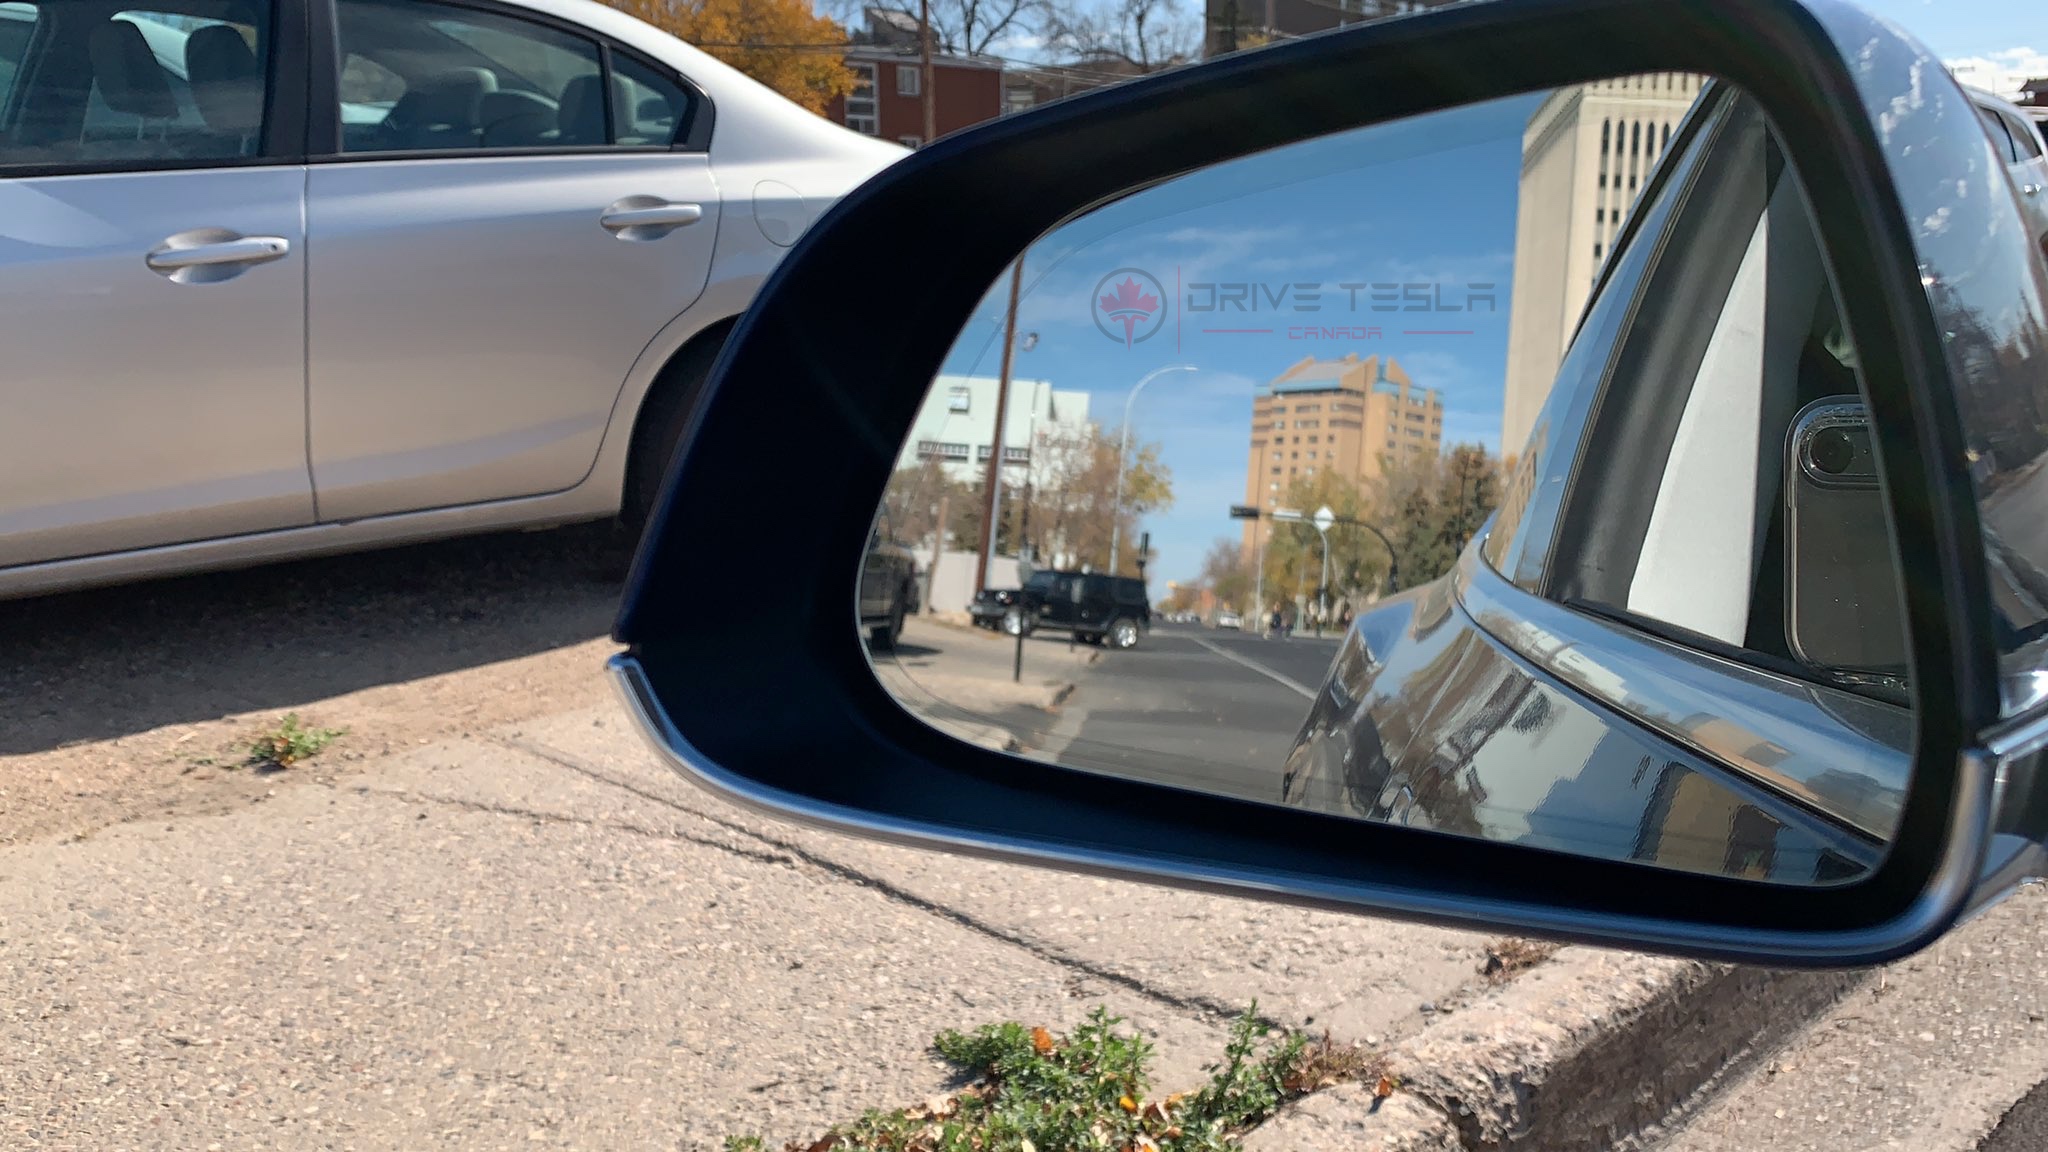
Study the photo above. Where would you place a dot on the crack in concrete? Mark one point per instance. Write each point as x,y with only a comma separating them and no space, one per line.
1203,1005
543,817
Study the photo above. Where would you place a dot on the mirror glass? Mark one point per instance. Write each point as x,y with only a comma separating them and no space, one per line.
1501,471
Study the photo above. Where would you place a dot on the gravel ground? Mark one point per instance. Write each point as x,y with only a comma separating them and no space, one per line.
487,918
117,699
1926,1055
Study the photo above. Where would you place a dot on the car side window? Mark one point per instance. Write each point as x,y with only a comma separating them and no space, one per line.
651,109
17,26
176,84
2026,145
458,78
1686,518
2001,136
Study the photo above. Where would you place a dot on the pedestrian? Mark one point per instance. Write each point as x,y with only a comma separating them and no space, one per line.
1275,621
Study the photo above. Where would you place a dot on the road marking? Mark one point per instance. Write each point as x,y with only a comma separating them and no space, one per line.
1255,666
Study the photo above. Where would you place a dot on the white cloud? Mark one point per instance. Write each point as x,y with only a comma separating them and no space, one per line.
2000,72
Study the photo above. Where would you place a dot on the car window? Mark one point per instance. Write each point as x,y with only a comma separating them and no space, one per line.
650,108
17,25
2001,136
2026,144
1727,543
174,83
464,79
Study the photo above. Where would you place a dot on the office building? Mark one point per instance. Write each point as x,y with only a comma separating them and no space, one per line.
1350,416
957,425
1586,154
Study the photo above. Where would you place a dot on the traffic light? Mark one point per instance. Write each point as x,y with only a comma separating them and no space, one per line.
1144,552
1244,512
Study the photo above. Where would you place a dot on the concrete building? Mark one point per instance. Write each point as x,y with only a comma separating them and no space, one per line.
889,101
1348,416
957,425
1586,154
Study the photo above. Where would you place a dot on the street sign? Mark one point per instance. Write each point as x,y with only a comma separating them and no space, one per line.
1287,514
1325,518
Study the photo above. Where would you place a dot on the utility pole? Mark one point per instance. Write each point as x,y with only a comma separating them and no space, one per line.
924,58
994,477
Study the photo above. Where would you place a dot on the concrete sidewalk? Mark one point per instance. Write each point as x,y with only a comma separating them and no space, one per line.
538,936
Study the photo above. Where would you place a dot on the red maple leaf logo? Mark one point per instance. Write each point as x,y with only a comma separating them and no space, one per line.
1129,304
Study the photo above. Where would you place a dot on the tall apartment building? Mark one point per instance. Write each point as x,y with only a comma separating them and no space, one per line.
1348,416
1586,154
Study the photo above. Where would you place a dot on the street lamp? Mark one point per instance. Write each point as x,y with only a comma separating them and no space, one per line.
1321,522
1116,507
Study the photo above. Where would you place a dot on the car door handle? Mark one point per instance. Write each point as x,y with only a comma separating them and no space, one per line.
641,218
172,257
211,255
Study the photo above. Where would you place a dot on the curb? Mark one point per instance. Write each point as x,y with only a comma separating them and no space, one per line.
1583,1052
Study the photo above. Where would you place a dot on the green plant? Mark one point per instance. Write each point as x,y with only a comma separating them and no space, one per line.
1085,1092
289,743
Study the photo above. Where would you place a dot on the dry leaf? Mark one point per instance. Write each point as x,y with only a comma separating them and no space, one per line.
1041,1041
1384,1088
1127,1104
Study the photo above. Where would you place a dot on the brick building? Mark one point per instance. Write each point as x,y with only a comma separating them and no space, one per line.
889,102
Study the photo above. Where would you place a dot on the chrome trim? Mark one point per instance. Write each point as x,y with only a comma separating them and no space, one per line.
1843,755
1936,907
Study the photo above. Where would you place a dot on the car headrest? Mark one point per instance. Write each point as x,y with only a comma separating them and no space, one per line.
581,115
227,82
130,80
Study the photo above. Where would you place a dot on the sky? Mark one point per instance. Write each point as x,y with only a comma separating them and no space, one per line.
1428,204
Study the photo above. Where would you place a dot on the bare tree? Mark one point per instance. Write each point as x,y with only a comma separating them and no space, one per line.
959,27
1147,35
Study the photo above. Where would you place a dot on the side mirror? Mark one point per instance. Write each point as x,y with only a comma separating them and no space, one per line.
1734,646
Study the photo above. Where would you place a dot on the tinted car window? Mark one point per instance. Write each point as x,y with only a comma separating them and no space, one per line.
2001,137
465,79
170,84
2025,144
650,108
17,24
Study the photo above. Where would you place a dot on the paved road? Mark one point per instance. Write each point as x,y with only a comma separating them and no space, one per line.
1217,711
1196,707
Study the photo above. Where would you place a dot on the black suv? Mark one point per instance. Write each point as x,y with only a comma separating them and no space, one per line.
1093,606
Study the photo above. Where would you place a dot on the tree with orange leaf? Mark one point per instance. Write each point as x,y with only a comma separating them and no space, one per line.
781,43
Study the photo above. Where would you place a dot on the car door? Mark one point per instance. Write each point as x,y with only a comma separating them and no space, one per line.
153,262
497,235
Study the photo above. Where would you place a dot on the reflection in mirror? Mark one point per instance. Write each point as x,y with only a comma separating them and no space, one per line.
1301,479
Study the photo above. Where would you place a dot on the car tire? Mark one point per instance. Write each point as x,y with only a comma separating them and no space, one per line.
1123,633
663,413
883,637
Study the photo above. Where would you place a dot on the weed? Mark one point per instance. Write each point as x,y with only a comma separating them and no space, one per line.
1085,1092
289,743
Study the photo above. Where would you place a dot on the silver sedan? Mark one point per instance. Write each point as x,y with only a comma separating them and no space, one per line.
285,277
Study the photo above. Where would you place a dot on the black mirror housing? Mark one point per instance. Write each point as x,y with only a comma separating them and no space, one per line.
779,708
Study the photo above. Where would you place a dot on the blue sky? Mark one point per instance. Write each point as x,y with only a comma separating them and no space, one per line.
1427,204
1959,28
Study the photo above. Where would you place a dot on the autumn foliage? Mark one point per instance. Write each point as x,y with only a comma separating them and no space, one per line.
781,43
